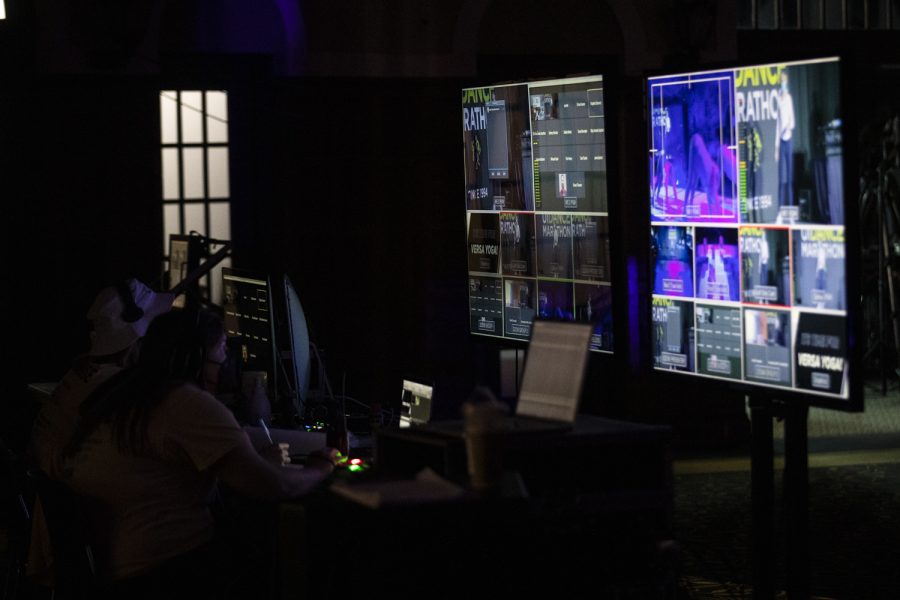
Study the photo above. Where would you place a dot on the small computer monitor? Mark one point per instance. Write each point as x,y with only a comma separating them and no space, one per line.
248,318
415,403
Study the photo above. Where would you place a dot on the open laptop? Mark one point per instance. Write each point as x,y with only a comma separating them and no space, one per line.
415,402
551,382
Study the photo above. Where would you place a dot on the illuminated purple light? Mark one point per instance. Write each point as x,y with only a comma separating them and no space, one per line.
634,329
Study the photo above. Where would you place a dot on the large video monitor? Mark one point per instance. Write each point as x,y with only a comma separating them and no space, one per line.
749,254
537,207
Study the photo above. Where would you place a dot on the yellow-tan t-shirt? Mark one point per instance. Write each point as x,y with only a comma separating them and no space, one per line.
154,507
55,423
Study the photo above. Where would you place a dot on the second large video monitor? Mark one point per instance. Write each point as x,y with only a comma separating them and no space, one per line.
537,207
748,223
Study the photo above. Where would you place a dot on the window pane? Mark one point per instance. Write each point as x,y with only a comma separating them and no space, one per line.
192,169
895,14
812,16
765,14
171,224
217,117
856,14
834,14
170,180
788,18
220,220
195,218
745,14
219,183
878,14
191,117
168,116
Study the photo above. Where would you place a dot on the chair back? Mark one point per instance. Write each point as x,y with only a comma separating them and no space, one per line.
15,519
68,526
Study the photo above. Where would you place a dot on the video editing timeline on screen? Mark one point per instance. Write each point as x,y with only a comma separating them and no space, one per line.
536,207
747,231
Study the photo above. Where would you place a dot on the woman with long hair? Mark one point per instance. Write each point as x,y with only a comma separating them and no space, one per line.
147,453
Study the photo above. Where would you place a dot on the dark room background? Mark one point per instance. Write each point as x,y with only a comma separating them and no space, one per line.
346,167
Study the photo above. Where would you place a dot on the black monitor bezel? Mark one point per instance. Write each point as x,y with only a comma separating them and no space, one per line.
609,72
855,374
272,369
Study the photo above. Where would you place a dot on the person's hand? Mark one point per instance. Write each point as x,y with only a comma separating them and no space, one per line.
326,457
277,454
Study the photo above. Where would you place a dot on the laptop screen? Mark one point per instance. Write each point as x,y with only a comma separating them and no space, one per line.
415,403
554,371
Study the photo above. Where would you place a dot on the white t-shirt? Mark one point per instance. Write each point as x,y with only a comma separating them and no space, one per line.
820,258
154,507
785,116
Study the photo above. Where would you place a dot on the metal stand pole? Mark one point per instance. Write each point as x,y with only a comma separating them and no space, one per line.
762,475
881,267
796,497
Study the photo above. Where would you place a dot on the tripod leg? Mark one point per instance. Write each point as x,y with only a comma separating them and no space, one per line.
892,299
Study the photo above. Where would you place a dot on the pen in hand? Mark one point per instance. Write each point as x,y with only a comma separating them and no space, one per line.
262,422
285,457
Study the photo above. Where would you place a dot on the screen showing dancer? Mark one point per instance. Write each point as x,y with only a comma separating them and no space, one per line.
748,250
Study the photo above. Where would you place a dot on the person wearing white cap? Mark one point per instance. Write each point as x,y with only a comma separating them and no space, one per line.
148,450
119,316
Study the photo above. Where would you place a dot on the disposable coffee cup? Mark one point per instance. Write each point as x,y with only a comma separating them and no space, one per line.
251,379
485,437
253,386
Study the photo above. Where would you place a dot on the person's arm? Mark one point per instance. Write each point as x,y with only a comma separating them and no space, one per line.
246,472
192,423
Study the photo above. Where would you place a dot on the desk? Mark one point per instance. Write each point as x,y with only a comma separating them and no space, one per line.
600,464
598,525
493,546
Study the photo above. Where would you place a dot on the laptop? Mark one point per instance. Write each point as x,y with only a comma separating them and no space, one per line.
415,402
551,381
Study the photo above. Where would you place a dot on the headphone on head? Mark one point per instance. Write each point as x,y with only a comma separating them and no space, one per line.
131,312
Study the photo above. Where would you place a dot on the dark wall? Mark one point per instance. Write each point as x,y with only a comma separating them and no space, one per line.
367,217
350,185
365,173
85,168
81,183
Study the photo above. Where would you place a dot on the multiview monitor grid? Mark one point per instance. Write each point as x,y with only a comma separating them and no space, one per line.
747,226
537,207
